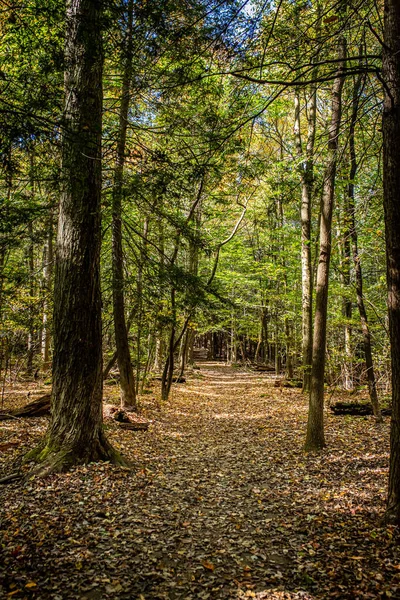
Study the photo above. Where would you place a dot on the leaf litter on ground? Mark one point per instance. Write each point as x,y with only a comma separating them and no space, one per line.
221,502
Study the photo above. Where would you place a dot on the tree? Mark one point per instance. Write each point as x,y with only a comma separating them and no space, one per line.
75,433
352,235
315,428
391,187
127,380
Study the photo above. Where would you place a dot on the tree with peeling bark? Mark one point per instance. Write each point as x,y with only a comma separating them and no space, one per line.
75,434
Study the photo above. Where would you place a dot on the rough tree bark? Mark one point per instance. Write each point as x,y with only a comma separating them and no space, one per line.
315,439
75,434
391,190
127,379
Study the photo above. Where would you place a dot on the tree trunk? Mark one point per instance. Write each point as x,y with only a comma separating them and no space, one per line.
289,351
315,428
31,271
356,258
127,379
306,175
139,302
391,190
47,277
166,380
75,434
31,332
344,243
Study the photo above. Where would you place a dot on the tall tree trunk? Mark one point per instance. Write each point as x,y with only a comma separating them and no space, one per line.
315,428
31,332
306,176
127,379
75,434
344,242
47,277
391,191
194,271
139,302
289,351
306,168
31,271
167,375
356,257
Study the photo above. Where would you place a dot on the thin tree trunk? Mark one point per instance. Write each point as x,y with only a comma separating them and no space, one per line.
306,175
47,278
166,380
3,247
31,271
160,346
167,375
190,354
315,428
289,357
127,379
356,257
139,292
344,237
307,181
150,352
184,354
391,188
2,262
75,434
31,332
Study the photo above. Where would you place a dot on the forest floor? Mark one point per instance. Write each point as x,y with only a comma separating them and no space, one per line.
221,502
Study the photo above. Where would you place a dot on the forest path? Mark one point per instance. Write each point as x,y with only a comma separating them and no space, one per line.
221,503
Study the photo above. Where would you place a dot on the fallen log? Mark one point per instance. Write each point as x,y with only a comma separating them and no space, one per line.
37,408
263,368
126,420
135,426
288,383
174,379
359,409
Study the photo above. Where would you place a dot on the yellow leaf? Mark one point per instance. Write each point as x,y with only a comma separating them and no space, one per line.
31,584
208,565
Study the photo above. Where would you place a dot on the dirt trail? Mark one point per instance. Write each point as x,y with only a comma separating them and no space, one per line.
221,503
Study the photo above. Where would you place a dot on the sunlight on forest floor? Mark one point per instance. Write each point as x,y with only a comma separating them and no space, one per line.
221,503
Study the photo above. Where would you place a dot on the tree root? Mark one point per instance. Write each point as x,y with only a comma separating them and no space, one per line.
11,478
58,458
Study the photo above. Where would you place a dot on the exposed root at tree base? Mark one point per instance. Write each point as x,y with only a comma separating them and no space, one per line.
52,459
391,516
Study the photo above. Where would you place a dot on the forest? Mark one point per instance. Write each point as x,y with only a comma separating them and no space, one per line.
200,299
